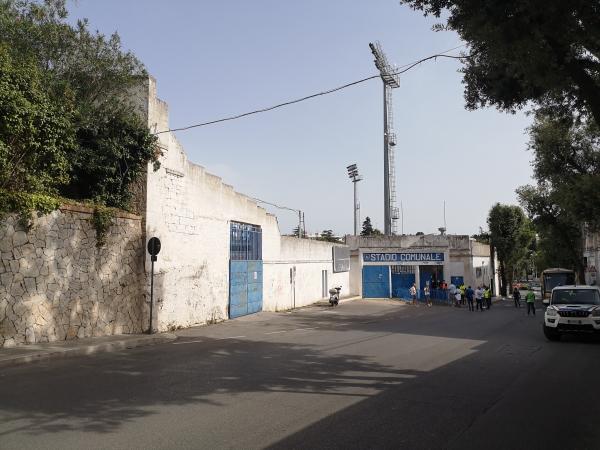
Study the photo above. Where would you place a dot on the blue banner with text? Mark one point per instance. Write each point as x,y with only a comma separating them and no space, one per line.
425,257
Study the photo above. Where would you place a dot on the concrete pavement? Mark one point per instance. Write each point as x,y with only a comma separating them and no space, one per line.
368,374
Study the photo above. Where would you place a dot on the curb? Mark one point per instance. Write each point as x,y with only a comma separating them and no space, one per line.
57,352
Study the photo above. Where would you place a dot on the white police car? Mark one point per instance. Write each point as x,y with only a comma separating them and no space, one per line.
573,309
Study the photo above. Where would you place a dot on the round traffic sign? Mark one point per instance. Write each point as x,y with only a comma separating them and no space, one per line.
154,246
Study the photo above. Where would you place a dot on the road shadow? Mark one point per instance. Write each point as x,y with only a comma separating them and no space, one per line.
107,391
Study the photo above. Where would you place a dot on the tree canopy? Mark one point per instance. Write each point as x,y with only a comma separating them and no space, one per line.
511,233
545,51
328,236
67,124
367,228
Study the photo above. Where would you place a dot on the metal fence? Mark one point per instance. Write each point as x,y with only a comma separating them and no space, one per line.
440,296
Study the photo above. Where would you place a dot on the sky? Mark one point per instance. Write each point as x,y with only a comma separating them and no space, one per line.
214,59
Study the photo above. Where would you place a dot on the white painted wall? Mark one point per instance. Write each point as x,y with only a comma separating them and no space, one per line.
309,258
190,210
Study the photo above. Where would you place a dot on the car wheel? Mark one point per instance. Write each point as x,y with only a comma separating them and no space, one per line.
551,335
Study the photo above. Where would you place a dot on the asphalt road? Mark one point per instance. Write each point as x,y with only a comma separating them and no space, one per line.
368,374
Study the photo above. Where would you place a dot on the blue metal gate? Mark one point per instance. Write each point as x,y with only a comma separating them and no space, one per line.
245,270
401,284
376,282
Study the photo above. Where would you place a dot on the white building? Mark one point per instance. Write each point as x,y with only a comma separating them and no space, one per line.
387,266
222,254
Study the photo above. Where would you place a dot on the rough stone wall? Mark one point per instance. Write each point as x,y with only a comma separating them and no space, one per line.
55,284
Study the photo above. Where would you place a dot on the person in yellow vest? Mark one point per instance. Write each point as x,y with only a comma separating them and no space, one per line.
487,297
530,299
462,293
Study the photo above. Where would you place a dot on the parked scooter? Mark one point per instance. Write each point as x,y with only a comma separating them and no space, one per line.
334,296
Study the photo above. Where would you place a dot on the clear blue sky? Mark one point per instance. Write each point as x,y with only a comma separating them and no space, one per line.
217,58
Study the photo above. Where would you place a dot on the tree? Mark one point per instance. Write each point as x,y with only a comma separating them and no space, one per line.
327,235
511,233
566,164
368,230
560,234
526,50
36,135
88,79
482,237
566,161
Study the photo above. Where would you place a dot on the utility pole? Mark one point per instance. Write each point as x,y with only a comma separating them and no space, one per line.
391,80
355,177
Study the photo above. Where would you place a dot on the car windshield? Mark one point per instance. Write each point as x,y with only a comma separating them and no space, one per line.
575,296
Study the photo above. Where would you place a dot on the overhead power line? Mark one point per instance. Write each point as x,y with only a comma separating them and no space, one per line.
273,204
402,69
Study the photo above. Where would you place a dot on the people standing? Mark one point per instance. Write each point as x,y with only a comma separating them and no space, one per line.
452,293
413,293
469,293
457,298
427,295
463,290
517,297
487,296
530,299
479,298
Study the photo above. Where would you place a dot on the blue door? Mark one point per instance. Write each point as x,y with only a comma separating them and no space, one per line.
245,270
255,286
245,288
376,281
401,284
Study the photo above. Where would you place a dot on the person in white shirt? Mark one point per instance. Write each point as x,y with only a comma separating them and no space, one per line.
479,298
413,293
457,297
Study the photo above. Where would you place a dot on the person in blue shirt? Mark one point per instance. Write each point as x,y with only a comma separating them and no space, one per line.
469,293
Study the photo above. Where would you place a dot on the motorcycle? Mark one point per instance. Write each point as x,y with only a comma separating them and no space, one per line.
334,296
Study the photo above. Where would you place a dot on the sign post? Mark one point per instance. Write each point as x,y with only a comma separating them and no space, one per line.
153,250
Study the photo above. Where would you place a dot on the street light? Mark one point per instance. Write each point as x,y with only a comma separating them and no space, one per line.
355,177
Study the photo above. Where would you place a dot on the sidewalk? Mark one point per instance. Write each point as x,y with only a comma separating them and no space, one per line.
31,353
78,347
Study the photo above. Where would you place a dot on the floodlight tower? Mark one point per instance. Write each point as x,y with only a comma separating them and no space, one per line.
355,177
391,80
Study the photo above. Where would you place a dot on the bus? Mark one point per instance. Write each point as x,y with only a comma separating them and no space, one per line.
555,277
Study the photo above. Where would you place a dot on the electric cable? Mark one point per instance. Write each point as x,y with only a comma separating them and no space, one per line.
405,68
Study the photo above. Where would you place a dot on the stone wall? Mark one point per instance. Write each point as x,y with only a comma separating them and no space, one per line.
55,284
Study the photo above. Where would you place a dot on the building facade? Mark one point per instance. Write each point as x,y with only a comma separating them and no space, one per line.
387,266
222,255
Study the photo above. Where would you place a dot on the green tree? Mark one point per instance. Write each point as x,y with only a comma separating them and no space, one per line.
36,135
368,229
560,233
328,236
566,149
482,237
511,233
526,50
566,161
91,76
